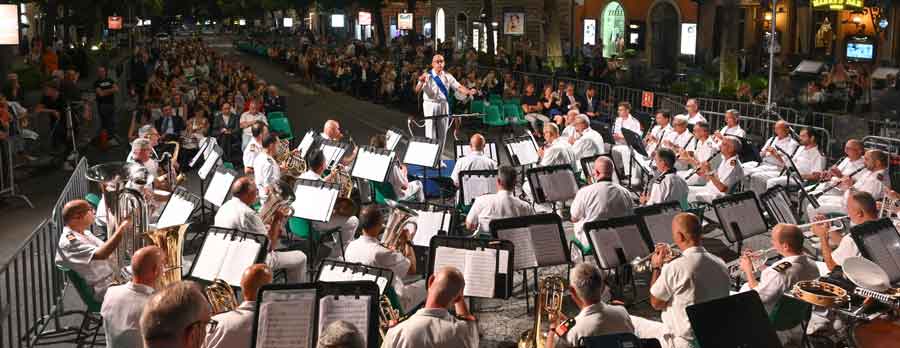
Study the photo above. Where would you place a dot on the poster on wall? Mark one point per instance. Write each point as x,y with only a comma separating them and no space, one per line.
405,21
9,25
689,39
337,21
114,22
514,23
365,18
288,22
590,32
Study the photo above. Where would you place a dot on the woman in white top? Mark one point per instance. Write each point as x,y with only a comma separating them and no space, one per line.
248,119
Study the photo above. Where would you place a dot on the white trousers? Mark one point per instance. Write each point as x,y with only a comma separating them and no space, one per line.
415,192
436,128
694,180
292,262
647,329
760,178
827,204
347,227
703,194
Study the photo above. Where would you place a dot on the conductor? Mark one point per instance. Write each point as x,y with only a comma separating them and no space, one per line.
436,85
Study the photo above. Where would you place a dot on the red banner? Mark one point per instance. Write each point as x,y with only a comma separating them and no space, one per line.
647,99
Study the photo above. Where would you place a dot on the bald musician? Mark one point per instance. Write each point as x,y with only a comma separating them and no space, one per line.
433,326
781,276
332,131
177,316
720,181
732,126
601,200
123,304
235,327
861,208
874,179
503,204
474,160
84,253
696,276
852,161
769,154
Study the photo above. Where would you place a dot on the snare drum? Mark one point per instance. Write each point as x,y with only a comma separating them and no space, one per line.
878,333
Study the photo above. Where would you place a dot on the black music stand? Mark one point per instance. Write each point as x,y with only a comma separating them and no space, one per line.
715,324
778,205
208,249
317,199
396,141
372,164
336,151
749,151
879,242
219,185
513,145
340,271
185,202
310,140
587,168
635,144
657,219
616,242
551,184
502,281
790,169
461,148
467,197
211,161
740,216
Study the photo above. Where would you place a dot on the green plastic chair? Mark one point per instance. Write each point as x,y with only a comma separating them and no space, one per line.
477,106
495,100
302,228
514,114
228,165
383,191
586,250
276,114
788,313
283,127
494,117
514,101
93,198
85,291
91,321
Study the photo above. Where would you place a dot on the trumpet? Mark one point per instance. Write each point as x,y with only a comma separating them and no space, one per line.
642,264
757,258
811,224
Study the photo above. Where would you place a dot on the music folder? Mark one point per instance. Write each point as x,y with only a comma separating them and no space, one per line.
476,183
522,150
315,199
552,183
879,242
485,263
422,152
310,140
226,253
715,324
463,149
617,241
740,216
657,219
372,164
340,271
178,208
333,150
294,315
220,186
539,240
634,141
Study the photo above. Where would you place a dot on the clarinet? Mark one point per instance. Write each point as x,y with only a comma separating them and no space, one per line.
832,186
691,175
769,142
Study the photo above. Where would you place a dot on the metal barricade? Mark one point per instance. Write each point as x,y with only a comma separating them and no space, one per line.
884,128
7,175
76,188
889,145
760,129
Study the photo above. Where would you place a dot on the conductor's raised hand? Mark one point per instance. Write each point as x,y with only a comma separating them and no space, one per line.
423,77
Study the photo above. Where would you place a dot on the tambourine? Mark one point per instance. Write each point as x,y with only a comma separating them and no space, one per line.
820,293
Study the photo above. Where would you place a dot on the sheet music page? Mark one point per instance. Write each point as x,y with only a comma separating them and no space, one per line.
352,309
240,255
334,274
422,154
177,212
332,154
447,256
428,223
210,148
305,144
490,150
316,202
547,245
203,146
606,241
522,244
392,140
372,166
660,226
504,262
382,284
632,242
208,165
219,187
527,153
477,185
558,185
479,273
209,261
286,319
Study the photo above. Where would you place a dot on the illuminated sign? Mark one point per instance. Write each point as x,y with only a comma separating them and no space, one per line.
337,21
405,21
365,18
9,26
837,4
288,22
115,22
689,39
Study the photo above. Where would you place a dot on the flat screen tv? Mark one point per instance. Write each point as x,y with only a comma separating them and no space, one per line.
860,51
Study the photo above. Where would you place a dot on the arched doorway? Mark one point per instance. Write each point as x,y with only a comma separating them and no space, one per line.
664,19
612,20
439,33
462,27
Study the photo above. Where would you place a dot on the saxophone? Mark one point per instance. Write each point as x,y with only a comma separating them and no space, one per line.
221,297
170,240
549,304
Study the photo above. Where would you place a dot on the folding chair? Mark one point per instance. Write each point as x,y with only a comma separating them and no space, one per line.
91,321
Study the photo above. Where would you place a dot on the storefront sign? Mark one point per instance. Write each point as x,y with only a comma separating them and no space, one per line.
837,4
365,18
590,32
115,23
9,27
405,21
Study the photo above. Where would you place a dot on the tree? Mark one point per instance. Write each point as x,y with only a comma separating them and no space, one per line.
728,65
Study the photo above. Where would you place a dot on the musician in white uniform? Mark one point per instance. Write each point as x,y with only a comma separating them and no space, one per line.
668,186
368,250
874,179
586,142
732,126
397,176
861,208
474,160
701,149
722,180
84,253
595,318
237,214
693,112
176,316
781,276
500,205
781,140
850,165
696,276
266,172
259,131
436,86
123,304
809,161
433,326
139,178
332,131
556,150
661,131
680,139
601,200
347,224
236,326
621,151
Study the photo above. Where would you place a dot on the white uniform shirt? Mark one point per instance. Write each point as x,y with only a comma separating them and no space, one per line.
847,167
76,252
568,132
729,173
500,205
600,200
695,277
251,117
692,120
668,187
846,249
681,140
234,329
589,144
310,175
370,252
475,160
238,215
433,328
787,144
121,312
265,173
252,150
735,131
629,123
873,182
559,153
809,160
431,92
596,320
775,280
660,133
703,149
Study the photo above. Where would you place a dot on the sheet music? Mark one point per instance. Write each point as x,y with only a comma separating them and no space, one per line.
660,226
219,187
428,224
447,256
210,148
286,319
490,150
558,185
316,203
526,152
393,138
481,266
203,152
240,255
177,212
477,185
884,249
747,216
208,165
333,154
372,166
522,244
352,309
209,261
547,245
306,143
422,154
627,238
333,274
504,262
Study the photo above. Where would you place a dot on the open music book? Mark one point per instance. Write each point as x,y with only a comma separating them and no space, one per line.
352,309
393,138
524,151
177,211
208,165
658,219
333,154
474,186
225,256
338,273
286,318
219,187
535,245
429,224
372,165
614,243
490,150
423,154
478,266
315,200
557,185
308,139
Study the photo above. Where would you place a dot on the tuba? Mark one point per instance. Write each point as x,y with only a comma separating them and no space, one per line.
344,206
123,202
278,205
171,241
393,231
549,303
221,297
